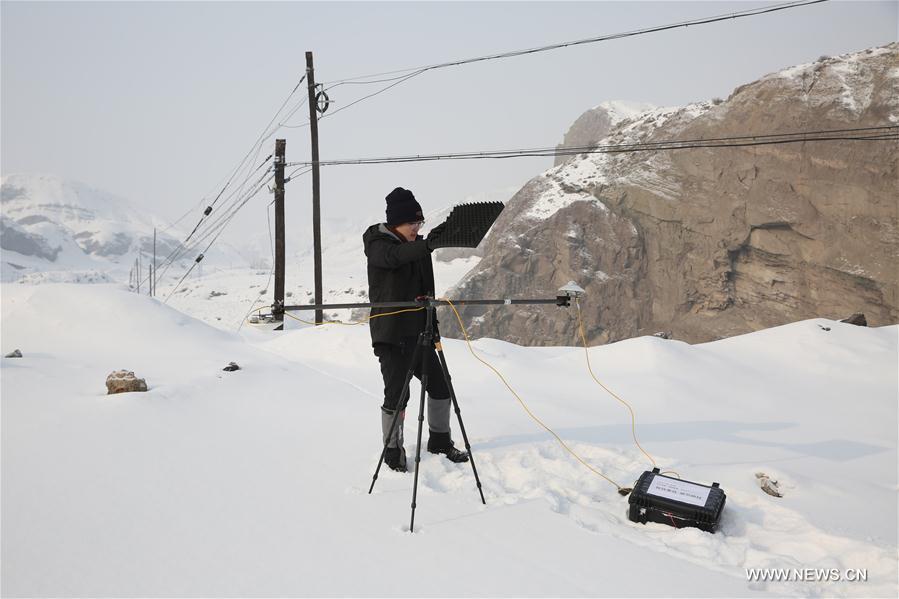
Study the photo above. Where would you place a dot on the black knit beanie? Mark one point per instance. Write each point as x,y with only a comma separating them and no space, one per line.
402,207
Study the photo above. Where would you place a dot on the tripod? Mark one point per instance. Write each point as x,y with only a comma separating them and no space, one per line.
424,343
426,340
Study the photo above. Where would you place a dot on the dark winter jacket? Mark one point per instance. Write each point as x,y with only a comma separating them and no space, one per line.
398,270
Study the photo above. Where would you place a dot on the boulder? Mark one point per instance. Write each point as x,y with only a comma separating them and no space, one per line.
124,381
858,319
707,242
14,354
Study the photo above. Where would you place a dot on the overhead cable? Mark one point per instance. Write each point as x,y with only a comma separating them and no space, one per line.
200,257
885,133
255,147
590,40
403,75
185,246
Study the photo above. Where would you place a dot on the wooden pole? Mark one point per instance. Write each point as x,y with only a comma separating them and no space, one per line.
280,148
316,190
153,278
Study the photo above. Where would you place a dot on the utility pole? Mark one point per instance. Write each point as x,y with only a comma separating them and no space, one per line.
316,212
278,313
153,278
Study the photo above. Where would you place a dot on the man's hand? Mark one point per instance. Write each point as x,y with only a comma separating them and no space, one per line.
435,234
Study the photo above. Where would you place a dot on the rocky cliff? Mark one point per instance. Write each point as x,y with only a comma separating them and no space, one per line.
595,124
710,242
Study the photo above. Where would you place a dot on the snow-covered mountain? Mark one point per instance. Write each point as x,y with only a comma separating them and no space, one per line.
55,229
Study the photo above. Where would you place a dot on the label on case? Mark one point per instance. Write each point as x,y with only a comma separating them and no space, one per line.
678,490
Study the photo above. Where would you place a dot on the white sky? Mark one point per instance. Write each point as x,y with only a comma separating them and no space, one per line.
157,102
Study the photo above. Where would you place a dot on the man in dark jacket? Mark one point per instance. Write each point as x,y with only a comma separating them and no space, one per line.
400,269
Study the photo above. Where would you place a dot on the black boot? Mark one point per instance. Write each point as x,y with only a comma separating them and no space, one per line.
395,458
442,443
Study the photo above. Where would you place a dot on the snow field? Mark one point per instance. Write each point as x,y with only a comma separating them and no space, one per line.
255,482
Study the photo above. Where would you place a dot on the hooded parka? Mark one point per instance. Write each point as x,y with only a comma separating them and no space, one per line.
398,271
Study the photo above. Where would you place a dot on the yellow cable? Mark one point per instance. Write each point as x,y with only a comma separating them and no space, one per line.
621,489
523,405
580,323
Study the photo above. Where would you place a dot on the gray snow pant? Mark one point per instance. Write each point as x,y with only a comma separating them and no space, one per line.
395,360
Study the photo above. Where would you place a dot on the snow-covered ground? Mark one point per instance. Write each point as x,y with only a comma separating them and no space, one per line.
254,483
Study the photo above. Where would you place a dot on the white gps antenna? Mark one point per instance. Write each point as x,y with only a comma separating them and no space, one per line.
572,289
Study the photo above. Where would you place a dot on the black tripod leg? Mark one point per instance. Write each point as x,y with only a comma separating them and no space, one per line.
400,406
449,384
421,419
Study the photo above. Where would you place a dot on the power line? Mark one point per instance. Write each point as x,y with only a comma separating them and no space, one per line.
213,226
380,91
185,246
601,38
220,230
406,74
262,136
857,134
183,216
294,174
292,112
225,218
257,145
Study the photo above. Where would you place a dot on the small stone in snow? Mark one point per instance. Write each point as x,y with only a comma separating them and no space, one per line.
769,486
124,381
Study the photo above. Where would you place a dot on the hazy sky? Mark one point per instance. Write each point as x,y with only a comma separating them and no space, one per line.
157,102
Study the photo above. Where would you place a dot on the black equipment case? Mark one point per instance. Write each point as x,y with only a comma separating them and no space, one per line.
675,502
